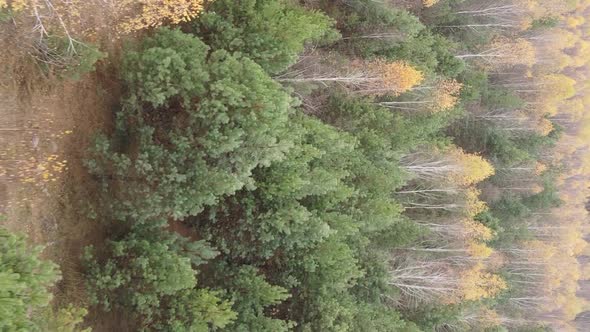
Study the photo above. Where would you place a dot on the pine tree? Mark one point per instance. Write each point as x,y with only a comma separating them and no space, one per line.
25,283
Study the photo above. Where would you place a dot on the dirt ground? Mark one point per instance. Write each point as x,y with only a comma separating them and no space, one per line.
46,124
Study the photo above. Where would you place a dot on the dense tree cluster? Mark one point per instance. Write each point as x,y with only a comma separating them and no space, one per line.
327,212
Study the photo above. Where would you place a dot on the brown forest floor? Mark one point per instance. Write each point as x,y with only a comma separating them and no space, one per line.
40,117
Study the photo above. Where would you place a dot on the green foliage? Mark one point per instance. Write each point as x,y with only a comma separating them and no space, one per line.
25,282
434,317
152,273
488,219
502,99
287,210
169,65
328,297
402,232
380,318
275,33
499,145
327,274
291,216
300,211
546,199
370,27
545,22
475,83
358,17
394,133
496,143
510,212
430,52
85,61
184,158
6,15
66,319
195,310
252,296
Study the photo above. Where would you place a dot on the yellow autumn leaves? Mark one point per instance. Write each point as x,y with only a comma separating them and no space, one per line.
42,171
15,5
454,168
429,3
143,14
473,168
477,283
446,95
126,15
397,77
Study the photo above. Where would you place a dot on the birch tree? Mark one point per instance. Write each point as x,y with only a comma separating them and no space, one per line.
377,77
454,165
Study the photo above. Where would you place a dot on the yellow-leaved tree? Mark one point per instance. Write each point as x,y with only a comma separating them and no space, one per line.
446,95
397,77
477,230
561,87
479,250
473,168
505,52
442,96
451,165
473,205
477,283
377,77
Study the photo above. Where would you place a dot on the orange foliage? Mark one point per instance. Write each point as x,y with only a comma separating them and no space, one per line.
545,127
446,95
540,168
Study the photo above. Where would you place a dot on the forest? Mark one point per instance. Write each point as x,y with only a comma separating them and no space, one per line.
294,165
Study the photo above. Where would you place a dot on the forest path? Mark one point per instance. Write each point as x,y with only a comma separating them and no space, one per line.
46,125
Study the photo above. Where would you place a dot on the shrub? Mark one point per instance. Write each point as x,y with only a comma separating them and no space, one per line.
151,272
66,57
25,282
65,319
